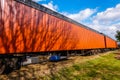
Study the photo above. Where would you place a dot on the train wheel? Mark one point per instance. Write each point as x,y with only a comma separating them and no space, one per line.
2,66
14,64
18,64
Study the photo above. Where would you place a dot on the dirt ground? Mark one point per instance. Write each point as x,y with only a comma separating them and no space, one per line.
37,71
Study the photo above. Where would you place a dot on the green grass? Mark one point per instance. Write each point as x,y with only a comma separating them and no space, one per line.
103,68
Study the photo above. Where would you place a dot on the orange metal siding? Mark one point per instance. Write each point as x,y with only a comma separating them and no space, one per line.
88,39
110,43
25,29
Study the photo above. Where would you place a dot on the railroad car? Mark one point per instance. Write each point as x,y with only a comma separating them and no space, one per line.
110,43
27,29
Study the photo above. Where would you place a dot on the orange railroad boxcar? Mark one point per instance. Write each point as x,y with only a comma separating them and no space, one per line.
26,29
110,43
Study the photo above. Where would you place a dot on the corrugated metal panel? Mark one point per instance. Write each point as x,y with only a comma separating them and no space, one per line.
110,43
89,39
37,6
25,29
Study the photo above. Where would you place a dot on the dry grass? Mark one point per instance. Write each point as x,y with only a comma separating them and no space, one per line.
47,69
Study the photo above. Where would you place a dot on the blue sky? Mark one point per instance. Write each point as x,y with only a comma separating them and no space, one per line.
73,6
101,15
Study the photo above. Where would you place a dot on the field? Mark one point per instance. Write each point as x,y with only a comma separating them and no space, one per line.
102,66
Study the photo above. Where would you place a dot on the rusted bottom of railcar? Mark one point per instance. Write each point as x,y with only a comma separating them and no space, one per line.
10,62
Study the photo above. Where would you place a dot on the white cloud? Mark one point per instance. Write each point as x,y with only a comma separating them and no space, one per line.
109,16
51,6
109,30
107,22
38,0
81,15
